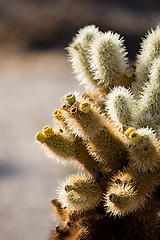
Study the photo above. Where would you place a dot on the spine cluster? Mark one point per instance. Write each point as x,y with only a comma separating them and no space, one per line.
112,133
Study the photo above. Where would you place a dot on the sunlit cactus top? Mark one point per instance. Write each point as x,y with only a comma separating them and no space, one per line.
111,133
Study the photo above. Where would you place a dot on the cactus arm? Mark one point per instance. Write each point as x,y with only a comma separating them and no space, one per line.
120,104
150,49
108,58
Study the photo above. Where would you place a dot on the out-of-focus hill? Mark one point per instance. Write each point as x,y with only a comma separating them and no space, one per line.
41,24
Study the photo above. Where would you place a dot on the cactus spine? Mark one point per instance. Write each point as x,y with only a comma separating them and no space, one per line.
112,132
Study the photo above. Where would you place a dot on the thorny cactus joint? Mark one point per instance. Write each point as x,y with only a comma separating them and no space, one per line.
112,133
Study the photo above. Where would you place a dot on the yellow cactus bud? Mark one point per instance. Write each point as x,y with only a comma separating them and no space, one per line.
57,114
40,137
48,131
135,137
129,131
69,99
85,107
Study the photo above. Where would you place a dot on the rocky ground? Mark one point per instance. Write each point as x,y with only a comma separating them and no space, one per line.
31,85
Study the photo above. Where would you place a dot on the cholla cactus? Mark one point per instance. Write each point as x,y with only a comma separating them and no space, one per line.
112,133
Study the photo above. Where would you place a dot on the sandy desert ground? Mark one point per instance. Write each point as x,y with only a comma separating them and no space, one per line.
31,85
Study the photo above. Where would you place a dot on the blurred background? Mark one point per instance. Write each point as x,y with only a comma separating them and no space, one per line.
34,75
